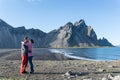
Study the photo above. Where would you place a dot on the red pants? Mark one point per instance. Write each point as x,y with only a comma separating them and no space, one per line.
24,63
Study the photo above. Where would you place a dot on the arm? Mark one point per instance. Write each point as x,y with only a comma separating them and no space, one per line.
26,49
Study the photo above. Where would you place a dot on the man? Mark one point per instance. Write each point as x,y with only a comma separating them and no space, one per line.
24,55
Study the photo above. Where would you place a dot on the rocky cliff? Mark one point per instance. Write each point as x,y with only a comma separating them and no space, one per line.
74,35
69,35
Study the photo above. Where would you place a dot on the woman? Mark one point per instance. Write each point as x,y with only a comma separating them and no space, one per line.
30,55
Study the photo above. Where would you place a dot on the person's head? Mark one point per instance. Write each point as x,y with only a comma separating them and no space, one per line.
31,40
25,39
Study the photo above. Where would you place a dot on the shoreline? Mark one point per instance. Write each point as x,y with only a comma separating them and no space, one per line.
42,54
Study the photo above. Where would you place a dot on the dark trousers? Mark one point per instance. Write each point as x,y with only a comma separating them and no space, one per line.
31,63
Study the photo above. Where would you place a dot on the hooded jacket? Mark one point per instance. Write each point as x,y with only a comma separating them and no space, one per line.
24,48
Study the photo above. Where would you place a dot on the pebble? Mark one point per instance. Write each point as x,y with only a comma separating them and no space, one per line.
101,70
104,79
110,66
72,74
88,79
111,77
116,77
86,69
67,74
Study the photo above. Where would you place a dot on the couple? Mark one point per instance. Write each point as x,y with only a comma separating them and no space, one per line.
26,55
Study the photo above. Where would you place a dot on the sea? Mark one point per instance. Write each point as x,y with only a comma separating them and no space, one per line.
97,54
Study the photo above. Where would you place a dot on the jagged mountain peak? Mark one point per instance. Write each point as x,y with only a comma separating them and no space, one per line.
69,24
104,41
80,23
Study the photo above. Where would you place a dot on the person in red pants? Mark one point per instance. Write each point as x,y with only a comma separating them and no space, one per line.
24,55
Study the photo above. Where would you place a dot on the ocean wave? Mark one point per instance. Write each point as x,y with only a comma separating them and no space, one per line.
69,54
54,51
99,54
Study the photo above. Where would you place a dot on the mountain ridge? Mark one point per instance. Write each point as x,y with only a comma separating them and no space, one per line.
69,35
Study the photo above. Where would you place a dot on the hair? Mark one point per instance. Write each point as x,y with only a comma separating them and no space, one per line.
25,38
32,40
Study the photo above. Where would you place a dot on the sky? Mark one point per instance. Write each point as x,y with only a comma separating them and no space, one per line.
102,15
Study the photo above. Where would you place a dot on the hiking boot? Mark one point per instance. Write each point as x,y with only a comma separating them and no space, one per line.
25,72
31,72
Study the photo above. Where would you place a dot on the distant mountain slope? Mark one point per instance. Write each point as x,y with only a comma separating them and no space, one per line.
11,37
69,35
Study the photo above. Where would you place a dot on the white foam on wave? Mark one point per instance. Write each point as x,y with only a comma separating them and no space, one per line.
54,51
76,57
69,55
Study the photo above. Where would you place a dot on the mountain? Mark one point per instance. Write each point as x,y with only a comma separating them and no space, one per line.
69,35
104,42
11,37
74,35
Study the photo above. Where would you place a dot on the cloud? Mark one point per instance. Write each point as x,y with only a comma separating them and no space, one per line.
34,1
